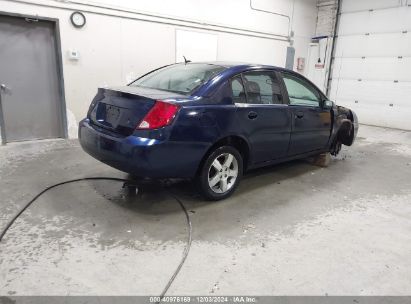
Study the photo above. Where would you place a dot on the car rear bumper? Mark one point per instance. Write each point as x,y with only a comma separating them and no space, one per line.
142,157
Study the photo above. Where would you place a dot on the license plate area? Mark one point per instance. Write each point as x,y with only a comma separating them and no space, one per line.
115,118
112,115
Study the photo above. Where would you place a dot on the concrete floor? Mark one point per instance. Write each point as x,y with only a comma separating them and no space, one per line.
292,229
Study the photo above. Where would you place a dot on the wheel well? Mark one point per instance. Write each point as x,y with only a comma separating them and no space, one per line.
235,141
345,133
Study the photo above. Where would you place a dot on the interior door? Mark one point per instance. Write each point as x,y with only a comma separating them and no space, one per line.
31,105
311,127
263,117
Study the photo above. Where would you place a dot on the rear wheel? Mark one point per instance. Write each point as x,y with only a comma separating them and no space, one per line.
220,174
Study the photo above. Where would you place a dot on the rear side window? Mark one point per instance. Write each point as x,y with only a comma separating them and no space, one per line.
301,92
179,78
262,87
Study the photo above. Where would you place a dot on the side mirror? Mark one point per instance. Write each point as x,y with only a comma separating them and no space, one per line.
328,104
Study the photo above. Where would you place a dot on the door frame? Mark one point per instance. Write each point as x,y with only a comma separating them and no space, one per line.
60,75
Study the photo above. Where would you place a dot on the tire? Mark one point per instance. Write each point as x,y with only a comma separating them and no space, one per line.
220,173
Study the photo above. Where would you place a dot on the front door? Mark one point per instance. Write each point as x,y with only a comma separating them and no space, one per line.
30,98
311,122
264,119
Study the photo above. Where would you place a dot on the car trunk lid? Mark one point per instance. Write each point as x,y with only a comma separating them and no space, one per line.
121,109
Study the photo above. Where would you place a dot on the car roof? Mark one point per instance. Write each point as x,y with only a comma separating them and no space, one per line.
231,64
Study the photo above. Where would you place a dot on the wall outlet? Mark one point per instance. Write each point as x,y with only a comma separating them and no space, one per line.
73,55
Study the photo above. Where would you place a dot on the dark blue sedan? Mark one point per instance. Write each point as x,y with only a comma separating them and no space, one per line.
211,122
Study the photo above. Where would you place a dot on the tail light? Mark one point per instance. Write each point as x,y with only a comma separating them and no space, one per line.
161,115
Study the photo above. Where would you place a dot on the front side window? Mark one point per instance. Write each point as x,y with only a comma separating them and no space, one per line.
300,92
262,87
179,78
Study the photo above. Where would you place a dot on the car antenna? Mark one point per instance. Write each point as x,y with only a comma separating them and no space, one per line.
185,60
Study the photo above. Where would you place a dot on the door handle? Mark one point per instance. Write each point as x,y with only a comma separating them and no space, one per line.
299,114
252,115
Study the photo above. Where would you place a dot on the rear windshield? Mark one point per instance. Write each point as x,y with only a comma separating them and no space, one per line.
179,78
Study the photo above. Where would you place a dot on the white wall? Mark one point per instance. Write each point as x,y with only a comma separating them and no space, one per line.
118,44
303,24
318,72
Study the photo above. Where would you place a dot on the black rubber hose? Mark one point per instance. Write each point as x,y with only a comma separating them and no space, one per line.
188,246
129,182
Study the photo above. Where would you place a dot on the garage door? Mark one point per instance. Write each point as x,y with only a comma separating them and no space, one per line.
372,65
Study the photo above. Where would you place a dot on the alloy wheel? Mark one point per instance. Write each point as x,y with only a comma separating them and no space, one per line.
223,173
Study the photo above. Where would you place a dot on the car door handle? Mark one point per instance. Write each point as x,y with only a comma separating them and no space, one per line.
299,114
252,115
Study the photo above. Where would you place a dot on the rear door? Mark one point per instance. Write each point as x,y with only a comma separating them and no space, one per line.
311,125
261,114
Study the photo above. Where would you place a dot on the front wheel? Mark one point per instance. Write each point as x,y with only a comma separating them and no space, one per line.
221,173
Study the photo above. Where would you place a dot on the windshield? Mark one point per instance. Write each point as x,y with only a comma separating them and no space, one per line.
180,78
